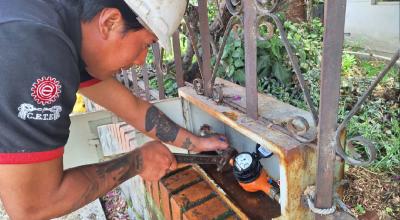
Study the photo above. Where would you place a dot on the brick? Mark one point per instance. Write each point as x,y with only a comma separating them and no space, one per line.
211,209
108,140
127,132
120,136
174,182
188,198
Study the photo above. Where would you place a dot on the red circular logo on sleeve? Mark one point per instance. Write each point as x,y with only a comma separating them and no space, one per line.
46,90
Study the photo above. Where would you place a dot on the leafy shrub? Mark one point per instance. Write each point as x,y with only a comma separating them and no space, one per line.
272,60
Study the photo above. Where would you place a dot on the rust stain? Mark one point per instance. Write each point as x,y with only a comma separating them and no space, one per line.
299,172
231,115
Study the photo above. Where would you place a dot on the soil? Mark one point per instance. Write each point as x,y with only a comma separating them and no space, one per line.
377,193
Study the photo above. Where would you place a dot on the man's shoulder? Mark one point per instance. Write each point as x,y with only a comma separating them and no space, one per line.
31,37
33,10
33,18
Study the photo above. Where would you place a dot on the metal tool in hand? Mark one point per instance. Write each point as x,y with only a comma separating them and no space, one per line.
220,159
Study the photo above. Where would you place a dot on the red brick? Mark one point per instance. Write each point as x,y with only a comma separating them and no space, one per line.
127,130
172,183
121,136
211,209
187,198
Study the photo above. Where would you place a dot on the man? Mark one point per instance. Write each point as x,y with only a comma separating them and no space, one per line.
48,49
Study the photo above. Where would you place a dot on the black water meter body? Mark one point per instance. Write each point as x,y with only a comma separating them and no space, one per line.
247,167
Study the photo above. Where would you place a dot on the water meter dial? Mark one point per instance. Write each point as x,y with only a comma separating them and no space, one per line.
246,167
243,161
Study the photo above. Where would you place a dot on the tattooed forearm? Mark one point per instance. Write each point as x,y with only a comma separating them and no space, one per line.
80,185
89,193
121,168
108,175
187,144
166,130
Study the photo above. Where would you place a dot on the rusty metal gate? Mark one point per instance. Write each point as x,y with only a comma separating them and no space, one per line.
251,14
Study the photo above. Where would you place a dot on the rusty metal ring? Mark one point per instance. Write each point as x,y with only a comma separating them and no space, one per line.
298,126
164,67
234,6
262,21
354,158
268,5
198,86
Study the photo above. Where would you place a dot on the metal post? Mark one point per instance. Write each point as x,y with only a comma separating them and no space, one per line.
125,78
178,60
135,81
145,74
335,11
158,63
250,43
205,45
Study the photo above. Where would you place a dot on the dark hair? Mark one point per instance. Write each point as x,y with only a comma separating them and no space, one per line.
90,8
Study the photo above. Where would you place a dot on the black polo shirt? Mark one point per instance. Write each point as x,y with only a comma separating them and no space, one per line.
40,73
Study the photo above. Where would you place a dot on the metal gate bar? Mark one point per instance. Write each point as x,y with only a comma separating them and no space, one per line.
335,11
205,45
178,60
145,74
250,44
158,65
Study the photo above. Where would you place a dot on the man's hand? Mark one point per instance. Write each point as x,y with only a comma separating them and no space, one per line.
211,143
157,161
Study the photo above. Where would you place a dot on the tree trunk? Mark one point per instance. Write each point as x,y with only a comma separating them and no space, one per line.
217,28
296,11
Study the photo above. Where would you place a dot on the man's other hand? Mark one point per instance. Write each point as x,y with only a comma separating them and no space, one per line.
157,161
211,143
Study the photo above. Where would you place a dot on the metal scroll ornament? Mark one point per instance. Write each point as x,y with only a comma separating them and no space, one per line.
267,18
198,86
298,128
353,157
271,6
234,7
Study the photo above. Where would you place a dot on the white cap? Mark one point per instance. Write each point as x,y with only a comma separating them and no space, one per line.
162,17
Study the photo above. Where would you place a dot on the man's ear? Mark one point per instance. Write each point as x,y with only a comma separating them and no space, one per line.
110,22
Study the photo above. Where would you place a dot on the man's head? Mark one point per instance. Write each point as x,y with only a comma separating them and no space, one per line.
112,37
90,8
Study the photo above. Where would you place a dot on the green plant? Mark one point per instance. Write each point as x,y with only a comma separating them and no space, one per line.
373,68
360,209
348,63
272,58
170,85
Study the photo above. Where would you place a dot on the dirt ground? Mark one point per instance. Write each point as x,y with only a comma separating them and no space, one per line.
372,194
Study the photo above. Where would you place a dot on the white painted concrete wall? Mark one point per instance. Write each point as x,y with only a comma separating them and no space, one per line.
375,27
